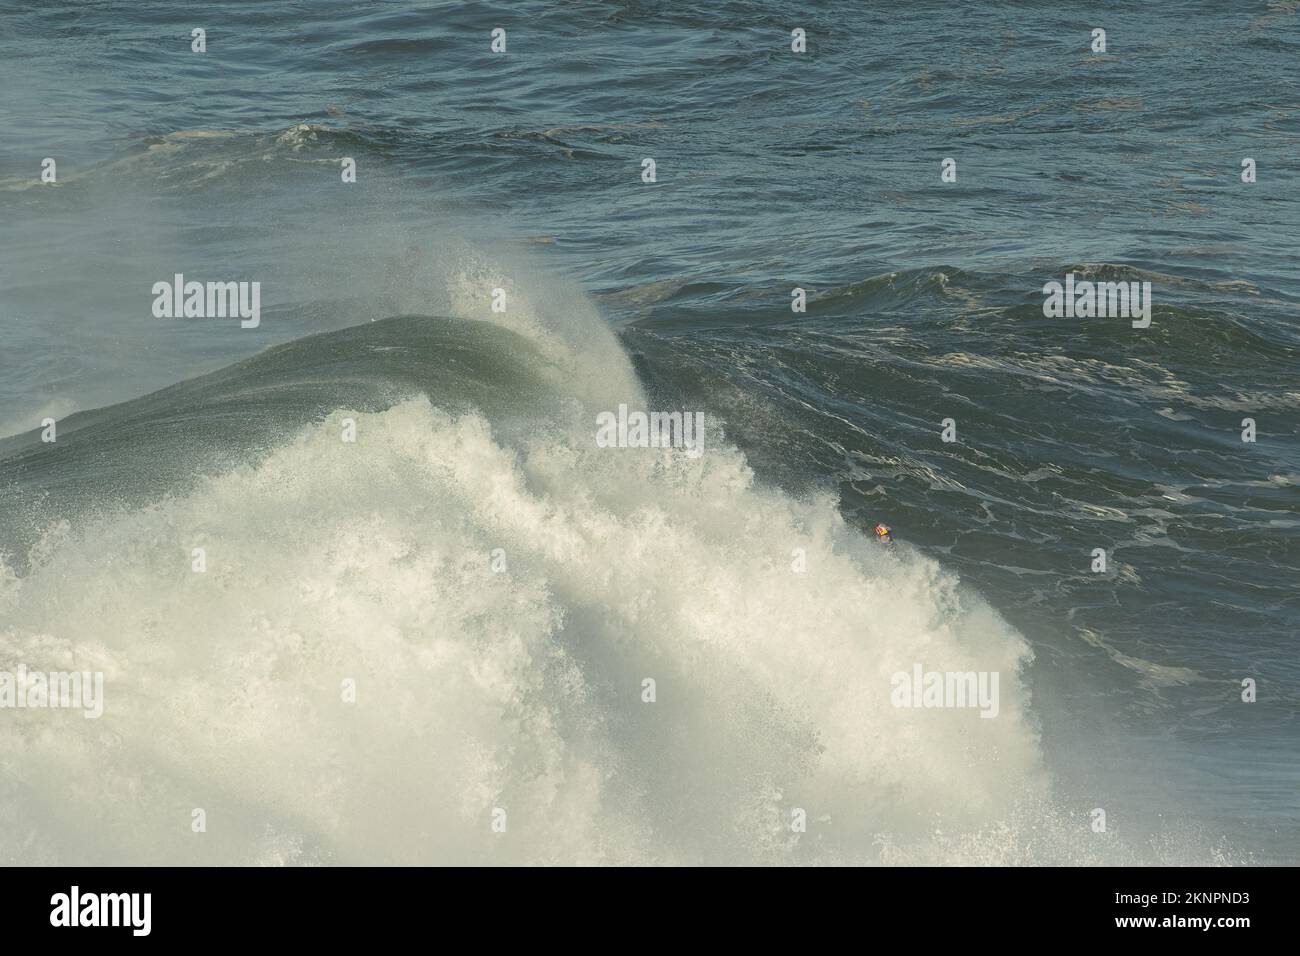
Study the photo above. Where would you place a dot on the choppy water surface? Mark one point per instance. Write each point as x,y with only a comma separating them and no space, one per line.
775,170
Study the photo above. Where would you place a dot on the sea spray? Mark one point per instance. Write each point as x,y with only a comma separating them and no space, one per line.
519,690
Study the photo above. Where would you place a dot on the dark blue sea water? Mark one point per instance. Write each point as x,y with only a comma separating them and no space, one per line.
774,171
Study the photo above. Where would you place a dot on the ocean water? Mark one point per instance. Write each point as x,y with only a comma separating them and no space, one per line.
496,586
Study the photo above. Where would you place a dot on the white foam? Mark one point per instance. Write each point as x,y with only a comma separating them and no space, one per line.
519,690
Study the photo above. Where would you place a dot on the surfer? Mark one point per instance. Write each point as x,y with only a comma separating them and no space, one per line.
884,534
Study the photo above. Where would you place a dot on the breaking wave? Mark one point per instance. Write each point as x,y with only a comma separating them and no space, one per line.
497,590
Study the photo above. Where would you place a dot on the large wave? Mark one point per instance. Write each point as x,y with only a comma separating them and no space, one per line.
498,590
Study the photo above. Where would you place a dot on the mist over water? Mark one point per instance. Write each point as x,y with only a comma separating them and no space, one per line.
523,689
